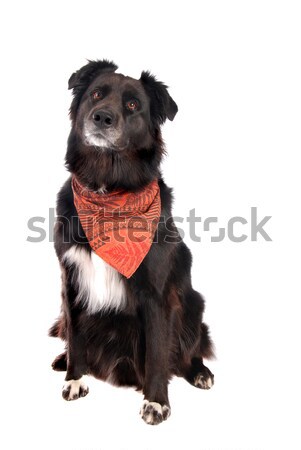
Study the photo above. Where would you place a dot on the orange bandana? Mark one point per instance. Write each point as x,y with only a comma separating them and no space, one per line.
119,226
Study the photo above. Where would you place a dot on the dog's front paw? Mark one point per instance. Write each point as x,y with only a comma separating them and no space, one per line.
73,389
153,413
204,379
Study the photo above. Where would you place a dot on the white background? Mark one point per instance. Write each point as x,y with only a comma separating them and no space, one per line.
234,69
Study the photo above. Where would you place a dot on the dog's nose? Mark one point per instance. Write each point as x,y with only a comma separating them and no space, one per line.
103,119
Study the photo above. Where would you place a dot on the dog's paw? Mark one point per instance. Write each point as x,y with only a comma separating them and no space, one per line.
204,379
153,413
73,389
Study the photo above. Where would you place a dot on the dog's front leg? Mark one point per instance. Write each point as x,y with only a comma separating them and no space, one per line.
155,407
76,348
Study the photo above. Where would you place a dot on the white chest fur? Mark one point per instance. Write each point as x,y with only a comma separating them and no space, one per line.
100,287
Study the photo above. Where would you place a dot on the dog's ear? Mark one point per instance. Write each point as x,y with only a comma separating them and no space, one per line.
85,75
161,104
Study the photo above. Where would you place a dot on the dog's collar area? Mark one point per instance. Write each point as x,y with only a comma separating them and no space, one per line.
102,189
119,225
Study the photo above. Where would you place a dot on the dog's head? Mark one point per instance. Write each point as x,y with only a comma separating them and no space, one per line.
112,111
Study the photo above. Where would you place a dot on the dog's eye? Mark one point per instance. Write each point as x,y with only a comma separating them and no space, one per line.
96,95
132,105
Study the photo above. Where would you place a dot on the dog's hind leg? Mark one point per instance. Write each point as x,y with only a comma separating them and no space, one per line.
58,329
60,362
197,373
195,342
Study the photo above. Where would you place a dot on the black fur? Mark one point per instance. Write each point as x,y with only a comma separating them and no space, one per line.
161,332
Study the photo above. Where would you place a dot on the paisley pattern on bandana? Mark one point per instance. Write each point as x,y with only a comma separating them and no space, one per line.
120,225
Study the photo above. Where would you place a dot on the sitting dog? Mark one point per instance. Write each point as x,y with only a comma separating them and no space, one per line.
129,313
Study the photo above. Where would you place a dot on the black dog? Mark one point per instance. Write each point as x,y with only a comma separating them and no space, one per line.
142,330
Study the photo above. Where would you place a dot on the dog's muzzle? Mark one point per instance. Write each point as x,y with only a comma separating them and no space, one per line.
104,119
